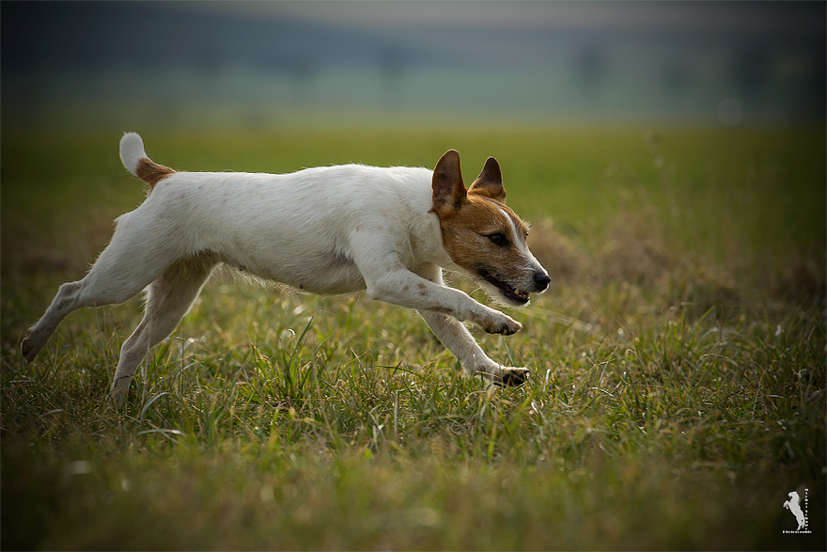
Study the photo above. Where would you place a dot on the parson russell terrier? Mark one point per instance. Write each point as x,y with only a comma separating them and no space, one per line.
326,230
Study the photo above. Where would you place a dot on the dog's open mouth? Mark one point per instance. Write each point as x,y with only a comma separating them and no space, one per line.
516,296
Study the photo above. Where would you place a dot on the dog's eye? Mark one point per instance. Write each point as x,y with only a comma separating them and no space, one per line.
498,239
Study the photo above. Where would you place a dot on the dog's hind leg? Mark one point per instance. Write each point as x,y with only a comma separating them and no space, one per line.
169,298
106,284
131,261
64,302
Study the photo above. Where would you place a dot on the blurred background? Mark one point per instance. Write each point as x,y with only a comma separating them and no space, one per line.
128,65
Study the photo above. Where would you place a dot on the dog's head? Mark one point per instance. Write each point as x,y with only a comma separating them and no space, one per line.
483,236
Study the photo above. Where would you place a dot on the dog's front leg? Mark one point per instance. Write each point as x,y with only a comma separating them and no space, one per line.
457,339
444,309
404,288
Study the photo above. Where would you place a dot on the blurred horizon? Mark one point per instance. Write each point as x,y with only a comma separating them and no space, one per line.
98,65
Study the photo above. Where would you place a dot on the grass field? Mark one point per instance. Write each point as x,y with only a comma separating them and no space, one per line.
678,362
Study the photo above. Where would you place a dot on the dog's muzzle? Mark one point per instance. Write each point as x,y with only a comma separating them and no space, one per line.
514,295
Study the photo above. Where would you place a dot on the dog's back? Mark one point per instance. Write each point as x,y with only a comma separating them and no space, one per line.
258,222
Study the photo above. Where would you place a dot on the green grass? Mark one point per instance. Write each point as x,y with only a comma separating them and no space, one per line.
678,362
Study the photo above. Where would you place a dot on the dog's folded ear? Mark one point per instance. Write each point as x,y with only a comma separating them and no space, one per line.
449,190
490,182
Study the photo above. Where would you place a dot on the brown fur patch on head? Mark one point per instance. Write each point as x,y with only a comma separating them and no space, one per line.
481,234
151,172
466,233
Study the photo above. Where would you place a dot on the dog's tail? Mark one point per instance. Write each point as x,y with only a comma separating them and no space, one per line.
136,161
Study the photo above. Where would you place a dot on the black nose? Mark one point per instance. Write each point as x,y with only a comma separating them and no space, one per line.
541,279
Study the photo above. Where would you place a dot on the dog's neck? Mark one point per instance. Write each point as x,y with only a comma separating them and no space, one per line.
426,233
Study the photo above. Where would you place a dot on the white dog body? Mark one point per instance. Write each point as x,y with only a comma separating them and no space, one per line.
303,229
326,230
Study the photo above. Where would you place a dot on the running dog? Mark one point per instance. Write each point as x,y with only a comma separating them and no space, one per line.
326,230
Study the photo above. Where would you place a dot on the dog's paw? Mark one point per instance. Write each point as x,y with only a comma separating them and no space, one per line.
120,388
500,324
30,346
503,376
512,377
